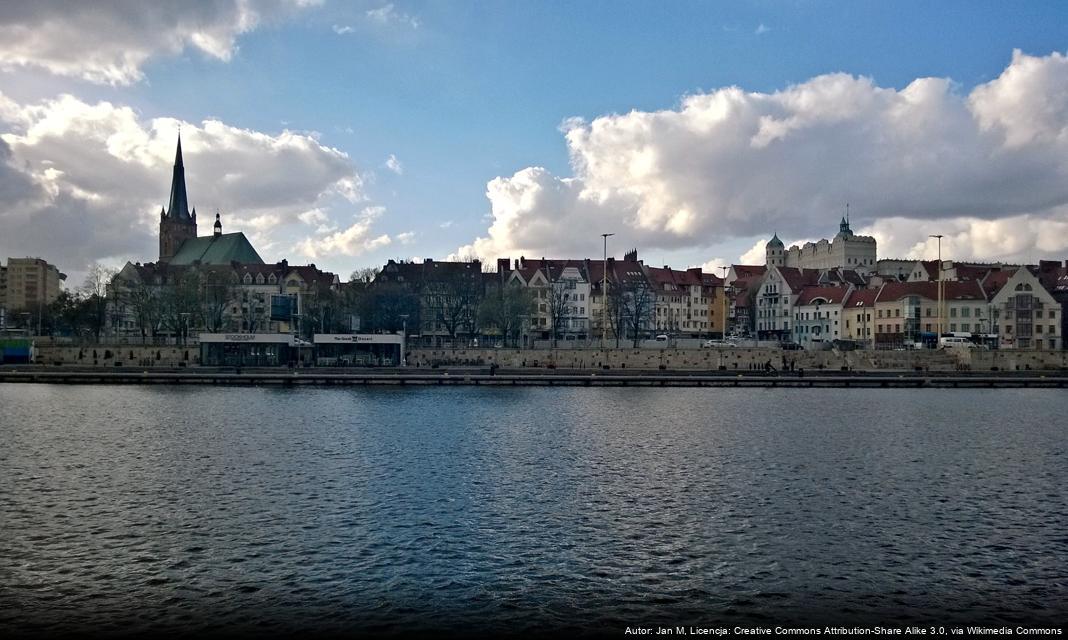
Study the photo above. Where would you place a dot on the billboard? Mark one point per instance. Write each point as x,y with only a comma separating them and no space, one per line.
283,307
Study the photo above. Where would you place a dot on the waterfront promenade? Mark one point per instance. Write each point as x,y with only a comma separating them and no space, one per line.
483,376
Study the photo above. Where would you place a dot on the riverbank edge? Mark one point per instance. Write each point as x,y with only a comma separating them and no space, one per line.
482,376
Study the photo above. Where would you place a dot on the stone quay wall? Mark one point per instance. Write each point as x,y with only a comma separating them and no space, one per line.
743,359
740,359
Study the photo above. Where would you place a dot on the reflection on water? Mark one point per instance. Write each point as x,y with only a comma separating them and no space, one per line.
145,509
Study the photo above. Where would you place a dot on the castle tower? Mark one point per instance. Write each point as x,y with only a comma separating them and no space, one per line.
176,223
774,252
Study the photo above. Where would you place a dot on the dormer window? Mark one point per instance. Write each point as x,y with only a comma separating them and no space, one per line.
248,278
273,279
259,278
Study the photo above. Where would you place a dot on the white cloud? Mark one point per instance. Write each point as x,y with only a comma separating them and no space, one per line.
81,182
761,29
109,42
757,254
394,165
406,237
342,30
358,238
732,164
388,14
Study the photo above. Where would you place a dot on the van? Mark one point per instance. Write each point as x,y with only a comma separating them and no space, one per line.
956,341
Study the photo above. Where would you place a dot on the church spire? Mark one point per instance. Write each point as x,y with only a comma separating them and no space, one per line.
179,203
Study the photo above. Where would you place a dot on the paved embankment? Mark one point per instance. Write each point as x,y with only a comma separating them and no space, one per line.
311,377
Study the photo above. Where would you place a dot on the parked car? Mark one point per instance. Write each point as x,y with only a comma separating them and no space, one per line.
719,344
662,337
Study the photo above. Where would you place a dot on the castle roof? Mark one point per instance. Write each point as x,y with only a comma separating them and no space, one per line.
774,242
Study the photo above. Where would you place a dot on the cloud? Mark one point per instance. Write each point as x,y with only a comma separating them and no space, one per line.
761,29
342,30
82,182
108,42
406,237
388,14
358,238
394,165
730,165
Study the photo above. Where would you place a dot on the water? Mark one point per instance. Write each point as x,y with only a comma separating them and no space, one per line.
141,509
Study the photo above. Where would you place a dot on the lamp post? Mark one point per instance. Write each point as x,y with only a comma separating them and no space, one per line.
725,322
938,338
185,327
604,290
404,339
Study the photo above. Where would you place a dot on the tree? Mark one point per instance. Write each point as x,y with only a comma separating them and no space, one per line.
559,302
365,275
630,307
93,298
144,303
215,293
180,303
455,298
507,311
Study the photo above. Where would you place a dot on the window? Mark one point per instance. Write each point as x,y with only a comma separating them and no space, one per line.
897,313
248,278
1038,328
965,327
953,327
1052,329
966,312
1038,313
952,312
928,314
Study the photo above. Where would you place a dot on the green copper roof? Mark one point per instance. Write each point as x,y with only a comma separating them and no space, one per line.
217,250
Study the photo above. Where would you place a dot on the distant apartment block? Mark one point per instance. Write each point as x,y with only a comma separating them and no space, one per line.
27,284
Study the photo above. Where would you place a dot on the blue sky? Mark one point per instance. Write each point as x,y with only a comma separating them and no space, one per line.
461,93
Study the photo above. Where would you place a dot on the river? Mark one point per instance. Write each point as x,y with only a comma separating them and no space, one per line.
130,510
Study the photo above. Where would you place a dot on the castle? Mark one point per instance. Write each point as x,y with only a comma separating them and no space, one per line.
845,251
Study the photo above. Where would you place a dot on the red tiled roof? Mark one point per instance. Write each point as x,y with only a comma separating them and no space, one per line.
796,278
746,271
862,298
952,290
831,295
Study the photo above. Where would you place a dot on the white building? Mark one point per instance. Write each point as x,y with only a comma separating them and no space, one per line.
1025,314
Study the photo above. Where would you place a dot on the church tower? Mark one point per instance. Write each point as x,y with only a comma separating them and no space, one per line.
774,252
176,223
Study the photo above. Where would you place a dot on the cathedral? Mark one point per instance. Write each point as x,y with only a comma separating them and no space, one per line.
210,283
178,240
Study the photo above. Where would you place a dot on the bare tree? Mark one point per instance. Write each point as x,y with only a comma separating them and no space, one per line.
215,293
93,294
507,310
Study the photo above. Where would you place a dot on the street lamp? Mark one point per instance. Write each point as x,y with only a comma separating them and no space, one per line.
938,340
725,270
404,339
604,290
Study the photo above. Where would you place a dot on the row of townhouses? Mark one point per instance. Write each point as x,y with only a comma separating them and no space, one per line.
815,295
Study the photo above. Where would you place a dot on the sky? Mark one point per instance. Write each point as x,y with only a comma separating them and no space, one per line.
348,133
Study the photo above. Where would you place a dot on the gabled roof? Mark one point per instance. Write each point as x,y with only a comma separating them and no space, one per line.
861,298
746,271
828,295
995,280
952,290
796,278
216,250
